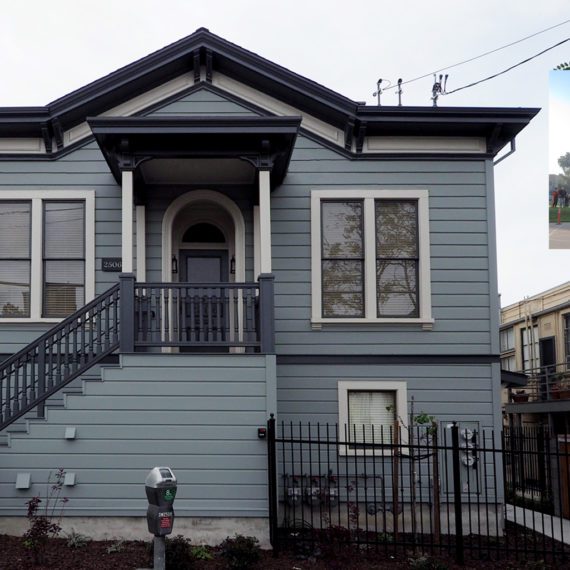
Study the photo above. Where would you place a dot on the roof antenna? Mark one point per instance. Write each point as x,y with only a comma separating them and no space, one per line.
399,92
378,91
438,87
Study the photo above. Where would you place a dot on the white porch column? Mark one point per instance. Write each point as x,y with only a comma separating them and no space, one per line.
141,242
264,222
127,222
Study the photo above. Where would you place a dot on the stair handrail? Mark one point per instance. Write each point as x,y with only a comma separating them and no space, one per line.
21,394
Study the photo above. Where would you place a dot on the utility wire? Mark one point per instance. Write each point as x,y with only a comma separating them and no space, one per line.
508,68
479,56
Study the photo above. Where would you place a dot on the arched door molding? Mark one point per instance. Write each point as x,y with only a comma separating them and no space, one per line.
194,196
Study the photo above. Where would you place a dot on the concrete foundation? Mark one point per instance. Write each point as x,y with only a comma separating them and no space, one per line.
201,530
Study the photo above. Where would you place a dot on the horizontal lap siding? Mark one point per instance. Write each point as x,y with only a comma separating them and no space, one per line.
199,416
458,249
309,393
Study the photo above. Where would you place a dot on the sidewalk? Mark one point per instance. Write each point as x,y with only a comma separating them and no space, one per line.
559,235
554,527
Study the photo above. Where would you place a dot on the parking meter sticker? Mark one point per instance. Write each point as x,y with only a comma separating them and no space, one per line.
165,522
169,494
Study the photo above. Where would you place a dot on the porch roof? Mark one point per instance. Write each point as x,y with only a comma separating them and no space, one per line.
264,142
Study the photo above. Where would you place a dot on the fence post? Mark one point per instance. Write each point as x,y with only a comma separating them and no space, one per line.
459,547
272,484
267,313
127,312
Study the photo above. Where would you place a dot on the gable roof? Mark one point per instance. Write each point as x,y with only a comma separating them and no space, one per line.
204,50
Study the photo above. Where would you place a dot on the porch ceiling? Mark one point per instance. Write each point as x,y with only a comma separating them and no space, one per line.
131,143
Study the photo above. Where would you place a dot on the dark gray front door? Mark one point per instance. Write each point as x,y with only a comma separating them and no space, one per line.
206,307
204,266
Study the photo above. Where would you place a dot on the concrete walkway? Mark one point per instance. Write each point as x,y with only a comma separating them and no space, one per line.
554,527
559,235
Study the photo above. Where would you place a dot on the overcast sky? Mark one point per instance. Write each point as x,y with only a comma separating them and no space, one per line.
51,48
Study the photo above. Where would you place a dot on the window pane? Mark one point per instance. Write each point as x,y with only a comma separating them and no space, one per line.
15,225
342,229
507,339
64,233
371,414
396,228
63,290
343,290
14,288
397,293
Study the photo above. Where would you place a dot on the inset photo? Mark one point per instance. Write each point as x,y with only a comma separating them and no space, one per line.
559,160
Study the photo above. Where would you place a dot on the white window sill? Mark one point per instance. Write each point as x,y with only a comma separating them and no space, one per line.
426,324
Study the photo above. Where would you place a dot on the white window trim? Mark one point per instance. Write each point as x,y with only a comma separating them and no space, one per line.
369,195
401,390
37,196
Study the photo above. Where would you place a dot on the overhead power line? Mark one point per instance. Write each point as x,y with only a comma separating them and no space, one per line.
480,56
508,68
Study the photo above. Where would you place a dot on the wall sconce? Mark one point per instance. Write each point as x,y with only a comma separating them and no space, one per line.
174,264
233,265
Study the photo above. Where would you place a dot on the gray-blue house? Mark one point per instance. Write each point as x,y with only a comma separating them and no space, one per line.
203,238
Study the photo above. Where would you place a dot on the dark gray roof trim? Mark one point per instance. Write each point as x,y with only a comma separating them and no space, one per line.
266,142
202,48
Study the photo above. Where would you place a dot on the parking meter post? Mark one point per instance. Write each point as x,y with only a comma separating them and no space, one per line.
159,553
160,487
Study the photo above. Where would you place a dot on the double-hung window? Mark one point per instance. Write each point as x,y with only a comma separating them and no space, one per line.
567,338
370,256
47,256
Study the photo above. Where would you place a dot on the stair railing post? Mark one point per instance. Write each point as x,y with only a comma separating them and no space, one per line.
127,312
41,378
267,313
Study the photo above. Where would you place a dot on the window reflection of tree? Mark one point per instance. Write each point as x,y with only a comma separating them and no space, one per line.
342,259
397,258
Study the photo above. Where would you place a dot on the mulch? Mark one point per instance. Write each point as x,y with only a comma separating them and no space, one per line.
127,555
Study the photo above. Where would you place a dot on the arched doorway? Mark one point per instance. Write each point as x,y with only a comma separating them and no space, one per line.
203,229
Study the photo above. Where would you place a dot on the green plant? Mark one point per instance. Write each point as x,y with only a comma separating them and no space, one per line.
241,552
118,546
201,553
76,539
426,563
44,521
179,553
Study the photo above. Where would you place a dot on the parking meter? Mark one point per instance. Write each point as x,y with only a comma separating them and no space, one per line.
160,486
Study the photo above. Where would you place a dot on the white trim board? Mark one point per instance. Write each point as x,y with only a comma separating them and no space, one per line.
369,195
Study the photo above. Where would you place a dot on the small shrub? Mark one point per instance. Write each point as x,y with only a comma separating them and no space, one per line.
201,553
178,553
76,539
118,546
44,521
241,552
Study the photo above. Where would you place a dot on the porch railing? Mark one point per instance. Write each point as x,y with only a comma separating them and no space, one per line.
544,384
59,356
199,317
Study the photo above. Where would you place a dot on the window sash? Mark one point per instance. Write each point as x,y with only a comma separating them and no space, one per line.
371,416
342,265
507,339
63,287
15,258
567,337
526,349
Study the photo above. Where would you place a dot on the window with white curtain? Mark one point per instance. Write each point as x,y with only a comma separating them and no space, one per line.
371,413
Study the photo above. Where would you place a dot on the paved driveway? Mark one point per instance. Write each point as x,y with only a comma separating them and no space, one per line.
559,236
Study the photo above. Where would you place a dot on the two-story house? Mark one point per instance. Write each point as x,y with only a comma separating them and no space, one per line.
204,238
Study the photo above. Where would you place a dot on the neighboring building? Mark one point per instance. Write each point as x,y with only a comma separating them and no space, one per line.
342,261
535,340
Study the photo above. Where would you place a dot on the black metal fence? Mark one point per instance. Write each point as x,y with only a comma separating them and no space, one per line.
435,490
